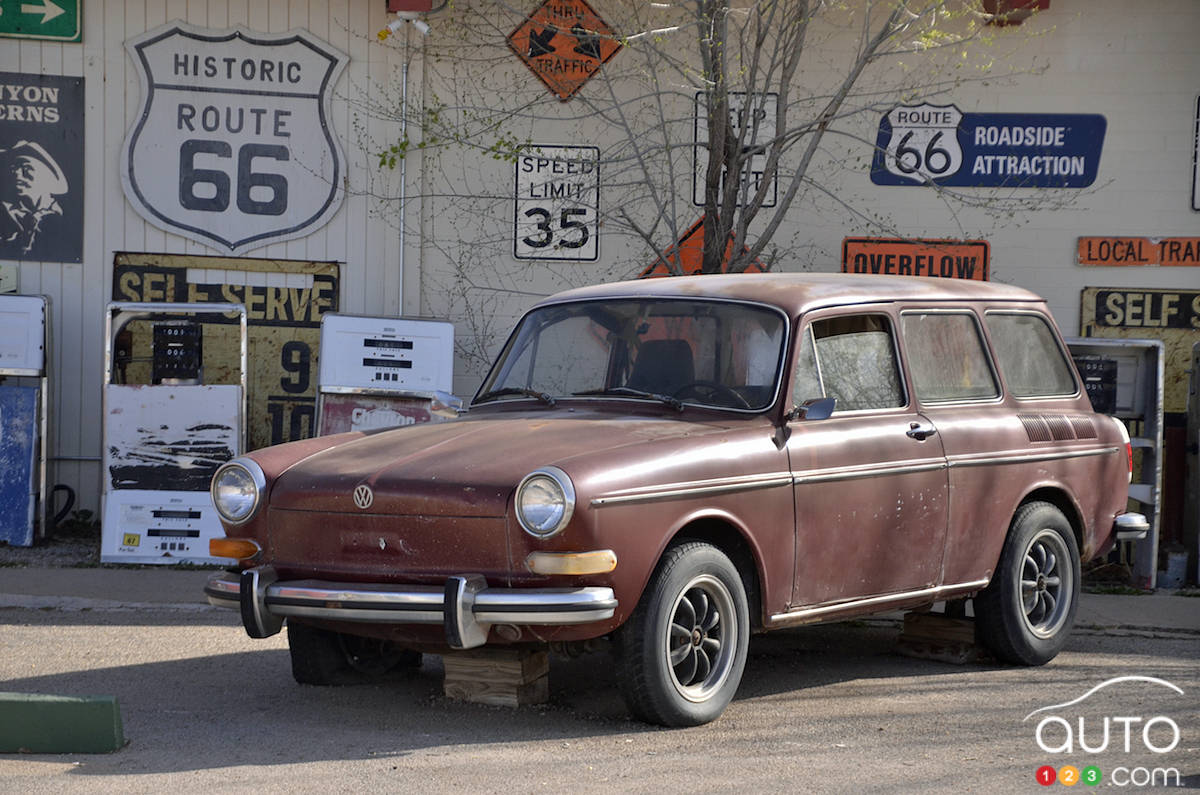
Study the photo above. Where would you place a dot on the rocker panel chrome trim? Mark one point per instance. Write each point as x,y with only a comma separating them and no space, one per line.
808,614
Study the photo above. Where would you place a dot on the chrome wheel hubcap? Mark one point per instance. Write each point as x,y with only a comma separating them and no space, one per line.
701,638
1047,583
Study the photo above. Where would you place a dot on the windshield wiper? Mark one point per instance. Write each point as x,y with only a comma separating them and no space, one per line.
629,391
514,390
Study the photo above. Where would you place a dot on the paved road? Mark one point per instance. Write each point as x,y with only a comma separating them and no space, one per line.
826,709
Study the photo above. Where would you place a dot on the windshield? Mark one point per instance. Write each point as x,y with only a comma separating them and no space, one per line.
709,353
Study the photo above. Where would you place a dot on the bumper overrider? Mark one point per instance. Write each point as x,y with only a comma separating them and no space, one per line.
465,606
1130,527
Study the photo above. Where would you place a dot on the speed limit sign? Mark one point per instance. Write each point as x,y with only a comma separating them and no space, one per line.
557,204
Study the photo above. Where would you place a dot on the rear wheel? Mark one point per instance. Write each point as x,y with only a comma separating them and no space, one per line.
680,656
1028,609
323,657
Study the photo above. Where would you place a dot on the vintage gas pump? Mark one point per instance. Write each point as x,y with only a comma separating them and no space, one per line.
169,422
382,372
1124,378
24,426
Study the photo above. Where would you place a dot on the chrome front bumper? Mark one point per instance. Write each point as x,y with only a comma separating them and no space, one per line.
464,605
1130,527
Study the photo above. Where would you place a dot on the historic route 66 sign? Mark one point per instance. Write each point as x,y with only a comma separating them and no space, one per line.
924,143
233,146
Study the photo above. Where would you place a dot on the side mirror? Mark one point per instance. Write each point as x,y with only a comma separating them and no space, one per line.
445,405
815,409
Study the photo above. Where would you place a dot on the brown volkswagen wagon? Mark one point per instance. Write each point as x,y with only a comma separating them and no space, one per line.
678,463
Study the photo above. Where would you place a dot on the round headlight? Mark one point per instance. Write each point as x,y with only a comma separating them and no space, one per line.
545,501
236,490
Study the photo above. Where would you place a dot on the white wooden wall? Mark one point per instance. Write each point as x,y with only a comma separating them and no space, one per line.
1137,64
360,236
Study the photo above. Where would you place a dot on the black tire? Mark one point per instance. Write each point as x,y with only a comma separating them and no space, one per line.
680,656
1027,610
322,657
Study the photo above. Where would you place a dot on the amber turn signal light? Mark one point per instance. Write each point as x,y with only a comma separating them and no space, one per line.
236,548
600,561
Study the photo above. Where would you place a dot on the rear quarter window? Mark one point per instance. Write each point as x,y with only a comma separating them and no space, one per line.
1029,356
946,357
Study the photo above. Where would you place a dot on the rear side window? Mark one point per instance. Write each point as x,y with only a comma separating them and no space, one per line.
1029,356
946,357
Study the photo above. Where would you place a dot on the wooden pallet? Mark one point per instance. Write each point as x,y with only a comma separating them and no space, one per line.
504,677
935,636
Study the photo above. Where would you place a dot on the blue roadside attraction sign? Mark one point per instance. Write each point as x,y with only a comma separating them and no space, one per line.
942,145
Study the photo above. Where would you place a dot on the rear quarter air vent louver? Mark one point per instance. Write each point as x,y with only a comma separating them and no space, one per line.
1084,428
1060,428
1035,427
1056,427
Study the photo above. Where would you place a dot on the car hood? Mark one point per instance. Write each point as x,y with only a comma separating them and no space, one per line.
468,467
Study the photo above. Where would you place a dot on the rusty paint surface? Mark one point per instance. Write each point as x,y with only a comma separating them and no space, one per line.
342,413
1139,251
821,514
1172,316
564,43
948,259
285,300
688,256
173,440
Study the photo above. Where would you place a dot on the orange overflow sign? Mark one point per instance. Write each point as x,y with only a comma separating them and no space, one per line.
1167,251
950,259
688,256
564,42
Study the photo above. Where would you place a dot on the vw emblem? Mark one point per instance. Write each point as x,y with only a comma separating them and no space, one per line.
363,496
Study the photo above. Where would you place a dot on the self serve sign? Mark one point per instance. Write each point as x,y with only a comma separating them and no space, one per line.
1175,309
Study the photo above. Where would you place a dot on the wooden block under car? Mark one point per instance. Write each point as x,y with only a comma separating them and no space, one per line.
503,677
934,636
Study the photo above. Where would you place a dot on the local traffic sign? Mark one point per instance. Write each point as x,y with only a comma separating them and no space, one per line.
564,43
52,20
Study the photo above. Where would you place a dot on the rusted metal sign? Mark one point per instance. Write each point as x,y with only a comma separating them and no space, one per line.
285,300
950,259
688,256
1172,316
1166,251
564,43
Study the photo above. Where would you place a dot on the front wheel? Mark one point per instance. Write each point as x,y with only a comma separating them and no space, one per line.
1027,610
681,654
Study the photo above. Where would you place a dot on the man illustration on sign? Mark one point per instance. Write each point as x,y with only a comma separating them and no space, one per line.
30,181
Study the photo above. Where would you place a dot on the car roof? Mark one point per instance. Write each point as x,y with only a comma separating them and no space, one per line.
801,292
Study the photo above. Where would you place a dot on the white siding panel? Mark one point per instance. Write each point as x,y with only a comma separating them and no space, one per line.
1136,69
79,293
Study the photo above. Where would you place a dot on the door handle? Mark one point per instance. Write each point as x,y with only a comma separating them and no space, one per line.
920,432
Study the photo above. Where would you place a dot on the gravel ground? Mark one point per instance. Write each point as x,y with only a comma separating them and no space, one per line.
66,549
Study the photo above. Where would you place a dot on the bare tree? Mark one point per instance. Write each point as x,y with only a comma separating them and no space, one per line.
751,114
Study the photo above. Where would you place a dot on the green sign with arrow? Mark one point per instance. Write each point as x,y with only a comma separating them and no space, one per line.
54,20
